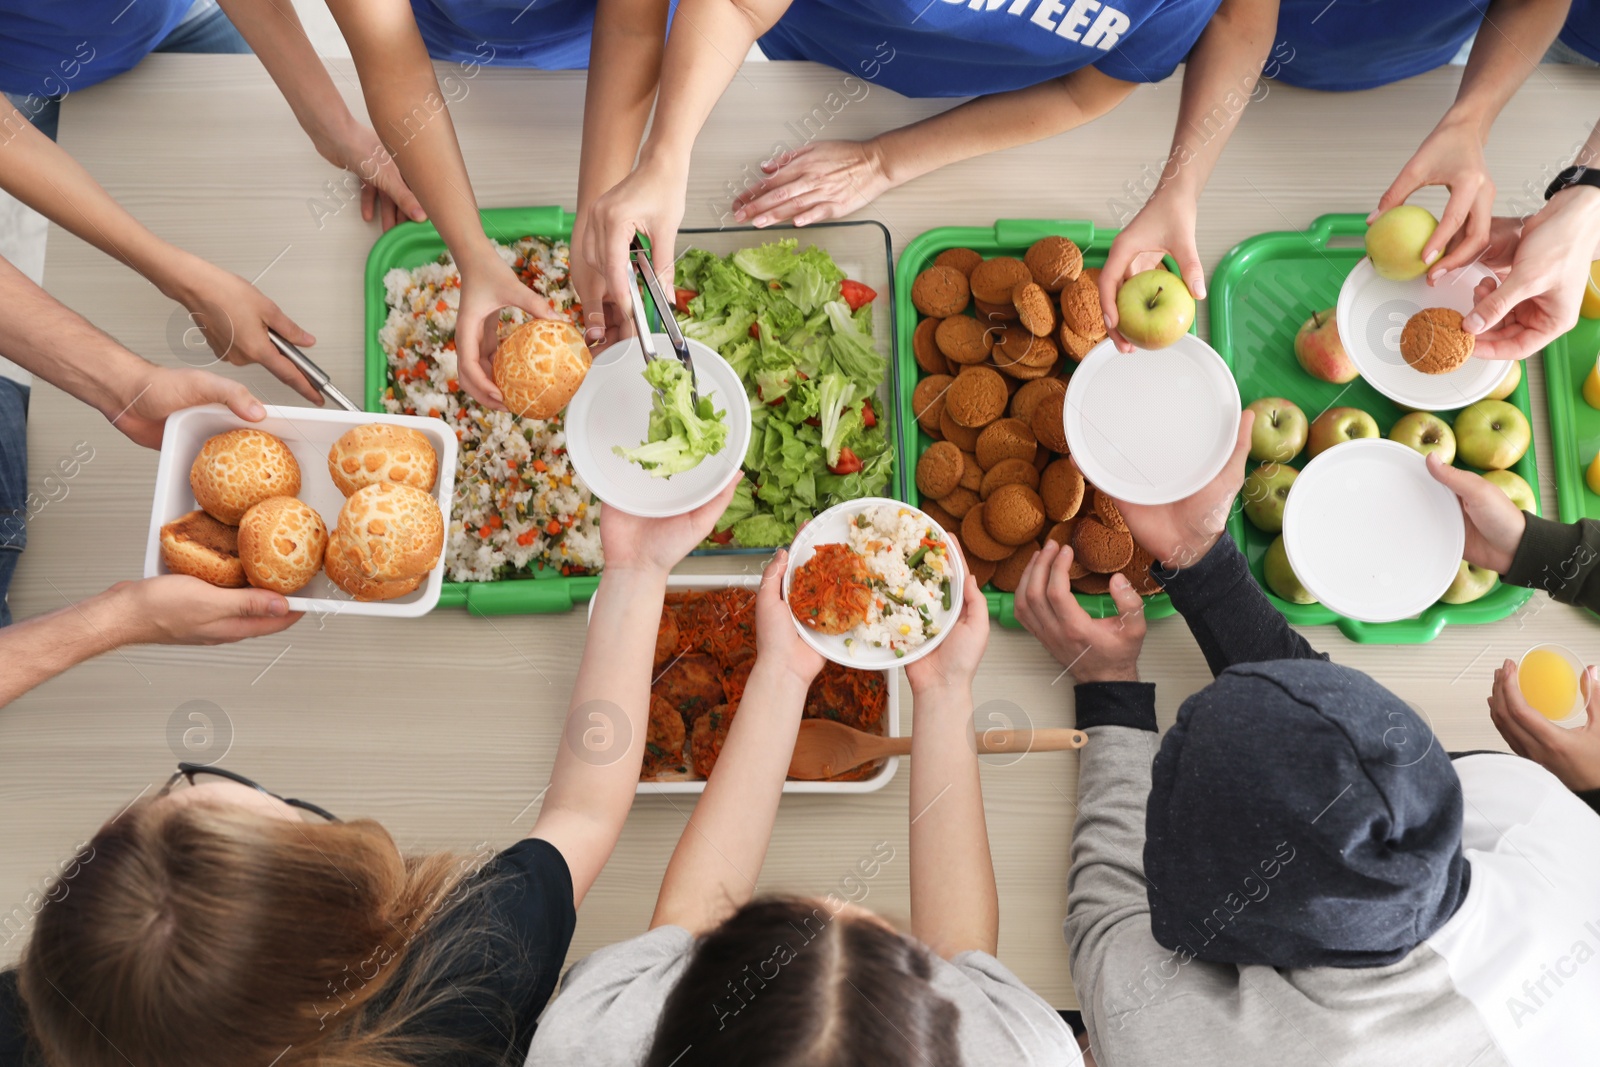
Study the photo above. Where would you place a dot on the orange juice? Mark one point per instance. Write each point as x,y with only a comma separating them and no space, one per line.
1591,386
1590,308
1549,684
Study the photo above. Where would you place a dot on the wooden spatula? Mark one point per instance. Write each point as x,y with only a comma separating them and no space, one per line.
826,748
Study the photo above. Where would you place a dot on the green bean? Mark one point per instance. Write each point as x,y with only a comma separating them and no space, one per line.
944,587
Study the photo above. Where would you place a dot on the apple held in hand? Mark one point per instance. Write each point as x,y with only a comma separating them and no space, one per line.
1509,383
1512,484
1491,435
1281,578
1395,241
1320,351
1471,582
1266,491
1426,433
1280,429
1154,308
1338,425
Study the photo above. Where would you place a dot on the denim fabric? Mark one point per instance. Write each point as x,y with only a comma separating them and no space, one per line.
13,484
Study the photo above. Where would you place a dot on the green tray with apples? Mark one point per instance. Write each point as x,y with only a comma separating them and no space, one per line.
1261,294
1574,425
1007,237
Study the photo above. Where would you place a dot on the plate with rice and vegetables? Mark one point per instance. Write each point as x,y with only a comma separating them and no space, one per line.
874,583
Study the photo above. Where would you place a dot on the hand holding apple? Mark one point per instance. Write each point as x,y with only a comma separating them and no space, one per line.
1492,434
1426,433
1280,429
1154,308
1494,524
1336,426
1471,583
1320,351
1396,239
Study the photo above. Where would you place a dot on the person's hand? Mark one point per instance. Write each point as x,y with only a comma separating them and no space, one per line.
955,662
778,643
658,545
234,317
162,391
488,284
176,609
817,181
1092,650
604,323
383,191
1452,156
1181,533
648,201
1164,225
1494,523
1571,755
1542,268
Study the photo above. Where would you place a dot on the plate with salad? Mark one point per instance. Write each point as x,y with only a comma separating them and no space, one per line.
800,335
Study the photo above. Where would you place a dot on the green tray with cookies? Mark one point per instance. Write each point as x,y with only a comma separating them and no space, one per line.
1272,303
990,323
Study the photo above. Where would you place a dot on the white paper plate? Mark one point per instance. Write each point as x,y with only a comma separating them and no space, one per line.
1154,425
1371,313
612,407
833,526
309,433
1370,533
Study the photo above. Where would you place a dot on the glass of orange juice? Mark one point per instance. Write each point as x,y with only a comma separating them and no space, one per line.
1552,681
1590,308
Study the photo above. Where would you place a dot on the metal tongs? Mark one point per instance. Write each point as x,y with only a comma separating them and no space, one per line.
664,311
314,374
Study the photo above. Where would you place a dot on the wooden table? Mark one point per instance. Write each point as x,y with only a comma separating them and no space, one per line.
444,727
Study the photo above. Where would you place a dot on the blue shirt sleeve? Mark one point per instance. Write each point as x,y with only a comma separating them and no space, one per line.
1160,42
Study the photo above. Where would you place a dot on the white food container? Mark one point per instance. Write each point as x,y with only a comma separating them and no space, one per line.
309,433
701,582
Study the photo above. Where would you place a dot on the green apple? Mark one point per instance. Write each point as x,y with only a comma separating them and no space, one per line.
1280,429
1266,491
1471,582
1395,241
1508,384
1512,484
1491,435
1280,576
1338,425
1320,351
1426,433
1154,308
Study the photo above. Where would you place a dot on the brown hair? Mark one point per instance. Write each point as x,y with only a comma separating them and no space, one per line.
207,934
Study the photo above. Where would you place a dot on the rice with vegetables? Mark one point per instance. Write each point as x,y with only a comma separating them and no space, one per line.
519,507
910,573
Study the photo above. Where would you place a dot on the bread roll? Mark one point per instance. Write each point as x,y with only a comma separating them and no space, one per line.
281,542
344,570
198,545
392,531
380,452
238,469
539,366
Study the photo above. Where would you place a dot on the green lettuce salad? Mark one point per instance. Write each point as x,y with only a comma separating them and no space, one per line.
681,433
799,335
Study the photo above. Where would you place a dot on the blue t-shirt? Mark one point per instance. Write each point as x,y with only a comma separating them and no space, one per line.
1582,31
547,34
54,47
1362,44
973,47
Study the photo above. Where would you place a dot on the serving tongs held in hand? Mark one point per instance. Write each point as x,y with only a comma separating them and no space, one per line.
669,322
314,374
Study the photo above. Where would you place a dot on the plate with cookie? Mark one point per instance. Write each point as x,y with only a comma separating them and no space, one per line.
340,511
1405,337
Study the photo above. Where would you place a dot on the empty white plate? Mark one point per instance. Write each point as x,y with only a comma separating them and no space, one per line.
612,407
1371,313
1153,425
1370,533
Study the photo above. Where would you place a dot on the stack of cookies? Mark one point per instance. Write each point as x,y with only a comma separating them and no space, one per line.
998,474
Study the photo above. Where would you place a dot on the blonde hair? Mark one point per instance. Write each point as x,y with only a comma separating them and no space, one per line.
204,934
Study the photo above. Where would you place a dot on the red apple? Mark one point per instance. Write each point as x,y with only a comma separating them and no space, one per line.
1336,426
1320,352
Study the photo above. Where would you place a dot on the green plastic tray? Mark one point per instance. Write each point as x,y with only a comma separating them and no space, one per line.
411,244
1574,425
1260,294
1007,237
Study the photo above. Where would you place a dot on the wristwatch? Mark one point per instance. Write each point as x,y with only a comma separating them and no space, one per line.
1573,176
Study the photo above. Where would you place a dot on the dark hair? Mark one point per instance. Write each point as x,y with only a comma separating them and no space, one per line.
786,982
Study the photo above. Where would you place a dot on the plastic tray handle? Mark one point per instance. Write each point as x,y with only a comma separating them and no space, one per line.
1023,232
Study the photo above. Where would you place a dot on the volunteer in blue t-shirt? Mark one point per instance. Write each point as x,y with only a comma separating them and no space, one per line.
1362,44
1036,67
1579,41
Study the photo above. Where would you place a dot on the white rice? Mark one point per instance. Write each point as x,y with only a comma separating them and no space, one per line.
505,510
886,536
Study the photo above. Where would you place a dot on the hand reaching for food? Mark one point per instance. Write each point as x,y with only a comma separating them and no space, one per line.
1494,524
817,181
234,317
1452,156
488,285
1165,225
1572,755
658,545
1092,650
649,201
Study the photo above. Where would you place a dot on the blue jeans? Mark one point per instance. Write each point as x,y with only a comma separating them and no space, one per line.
210,33
13,484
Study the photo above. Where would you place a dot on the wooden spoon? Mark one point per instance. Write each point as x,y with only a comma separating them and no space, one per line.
825,748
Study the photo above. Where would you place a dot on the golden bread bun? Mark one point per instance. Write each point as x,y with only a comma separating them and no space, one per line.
238,469
392,531
281,542
198,545
539,366
344,570
382,453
